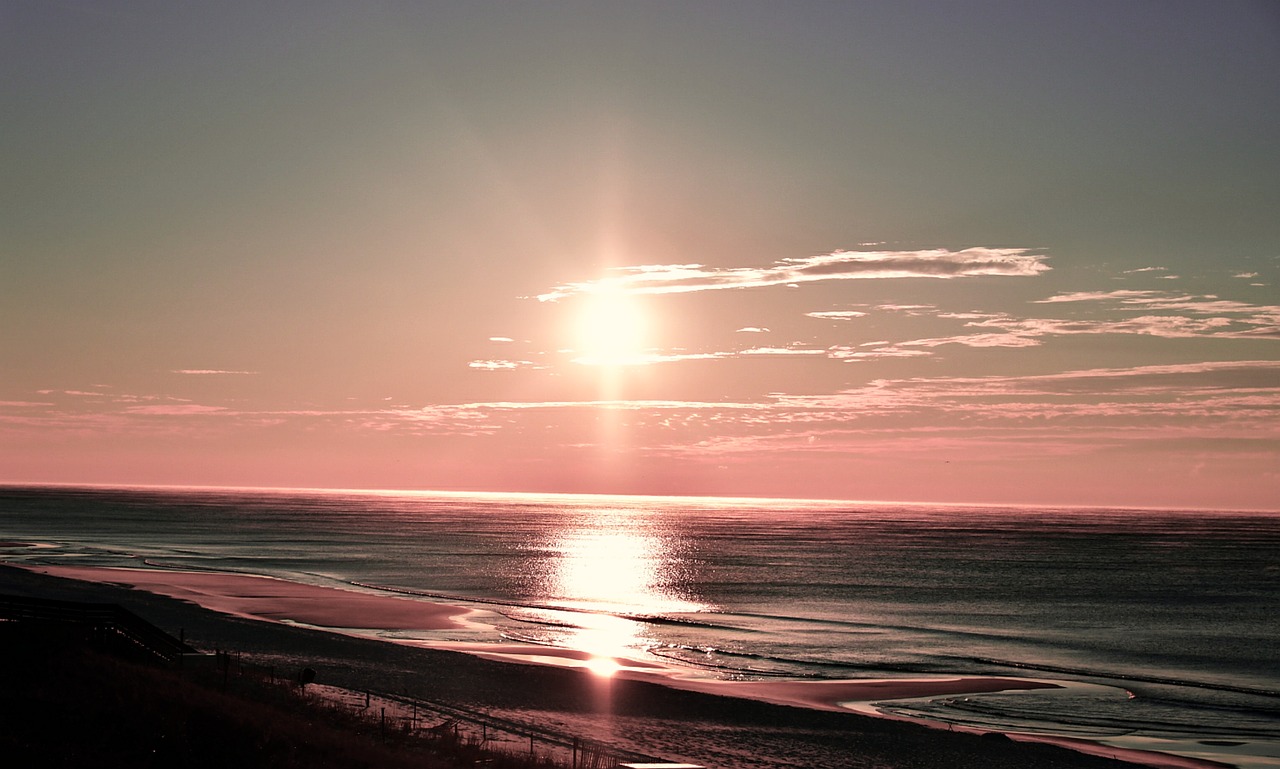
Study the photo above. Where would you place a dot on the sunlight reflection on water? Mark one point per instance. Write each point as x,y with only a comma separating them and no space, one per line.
608,564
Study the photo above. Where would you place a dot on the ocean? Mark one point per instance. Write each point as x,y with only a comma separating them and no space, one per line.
1163,625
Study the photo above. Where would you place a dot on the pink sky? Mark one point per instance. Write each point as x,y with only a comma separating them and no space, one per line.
1006,255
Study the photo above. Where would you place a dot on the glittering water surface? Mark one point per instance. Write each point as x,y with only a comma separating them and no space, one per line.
1165,622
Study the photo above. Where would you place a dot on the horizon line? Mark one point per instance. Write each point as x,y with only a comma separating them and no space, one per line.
576,494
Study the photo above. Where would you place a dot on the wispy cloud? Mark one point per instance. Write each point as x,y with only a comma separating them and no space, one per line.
174,409
646,359
1096,296
781,351
1219,406
501,365
859,354
837,314
1187,315
909,309
1075,411
838,265
74,393
211,372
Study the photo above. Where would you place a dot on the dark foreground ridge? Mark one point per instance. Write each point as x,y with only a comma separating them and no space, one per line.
629,716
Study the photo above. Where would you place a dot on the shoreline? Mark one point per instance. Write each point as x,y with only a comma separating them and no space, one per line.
280,602
253,596
333,609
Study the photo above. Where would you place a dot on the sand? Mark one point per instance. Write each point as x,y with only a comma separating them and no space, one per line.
337,609
244,595
643,707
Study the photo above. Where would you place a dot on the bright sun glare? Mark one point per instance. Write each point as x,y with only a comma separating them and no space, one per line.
605,667
611,565
612,328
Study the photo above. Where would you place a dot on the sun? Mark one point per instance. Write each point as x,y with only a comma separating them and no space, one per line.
612,328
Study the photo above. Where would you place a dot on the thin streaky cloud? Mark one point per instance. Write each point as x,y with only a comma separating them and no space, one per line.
1097,296
211,372
853,355
1191,315
910,309
73,393
175,409
973,315
500,365
838,265
837,314
1166,326
1245,275
1007,339
752,330
782,351
617,405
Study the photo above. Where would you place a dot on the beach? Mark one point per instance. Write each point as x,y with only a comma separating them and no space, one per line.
713,723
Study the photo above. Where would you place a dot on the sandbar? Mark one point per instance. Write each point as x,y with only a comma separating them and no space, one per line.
266,598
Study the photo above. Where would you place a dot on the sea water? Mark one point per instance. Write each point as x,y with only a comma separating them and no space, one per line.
1163,624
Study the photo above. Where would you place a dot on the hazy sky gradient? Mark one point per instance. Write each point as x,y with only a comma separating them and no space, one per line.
980,251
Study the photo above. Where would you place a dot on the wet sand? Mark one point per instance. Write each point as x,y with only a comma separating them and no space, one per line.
643,708
244,595
335,609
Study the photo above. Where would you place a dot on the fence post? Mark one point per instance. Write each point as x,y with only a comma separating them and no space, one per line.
575,753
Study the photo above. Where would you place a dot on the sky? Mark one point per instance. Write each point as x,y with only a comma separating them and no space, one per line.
1005,252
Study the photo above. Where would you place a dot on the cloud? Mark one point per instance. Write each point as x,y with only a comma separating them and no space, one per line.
969,315
892,351
1007,339
1245,275
500,365
752,330
838,265
782,351
73,393
653,358
501,339
1189,315
1146,269
210,371
910,309
1165,326
837,314
174,409
1096,296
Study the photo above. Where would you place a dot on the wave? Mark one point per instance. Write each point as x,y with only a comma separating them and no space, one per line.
1139,677
651,619
803,669
1050,712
